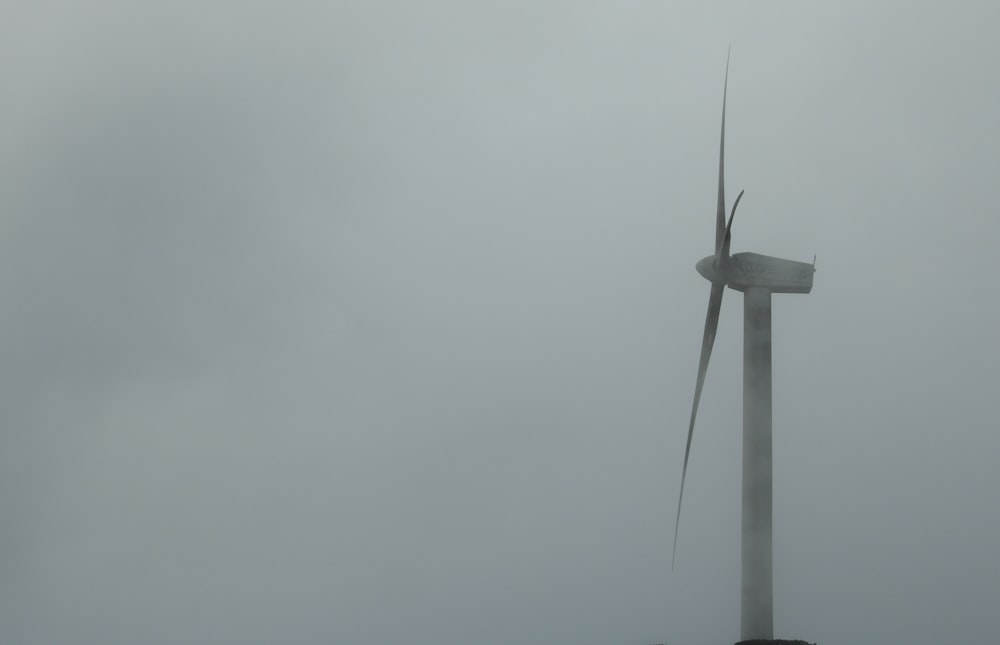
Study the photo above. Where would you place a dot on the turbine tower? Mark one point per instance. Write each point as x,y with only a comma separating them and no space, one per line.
757,276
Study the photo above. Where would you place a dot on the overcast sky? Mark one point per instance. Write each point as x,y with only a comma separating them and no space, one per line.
379,322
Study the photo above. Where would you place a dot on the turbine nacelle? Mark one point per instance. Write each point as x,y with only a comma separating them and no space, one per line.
741,271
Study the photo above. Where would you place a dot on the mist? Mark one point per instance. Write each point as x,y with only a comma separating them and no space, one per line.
379,322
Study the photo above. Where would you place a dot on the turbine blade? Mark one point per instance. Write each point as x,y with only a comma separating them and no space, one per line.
711,326
729,226
720,213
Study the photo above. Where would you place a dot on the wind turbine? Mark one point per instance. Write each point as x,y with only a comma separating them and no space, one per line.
757,276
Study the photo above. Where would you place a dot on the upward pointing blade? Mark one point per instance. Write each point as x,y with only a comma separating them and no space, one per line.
711,325
724,253
720,217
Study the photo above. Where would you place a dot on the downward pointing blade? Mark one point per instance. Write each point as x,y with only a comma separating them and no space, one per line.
711,325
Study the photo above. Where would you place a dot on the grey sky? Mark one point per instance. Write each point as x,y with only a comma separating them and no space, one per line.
379,322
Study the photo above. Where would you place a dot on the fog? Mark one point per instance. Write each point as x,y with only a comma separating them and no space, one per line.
378,321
